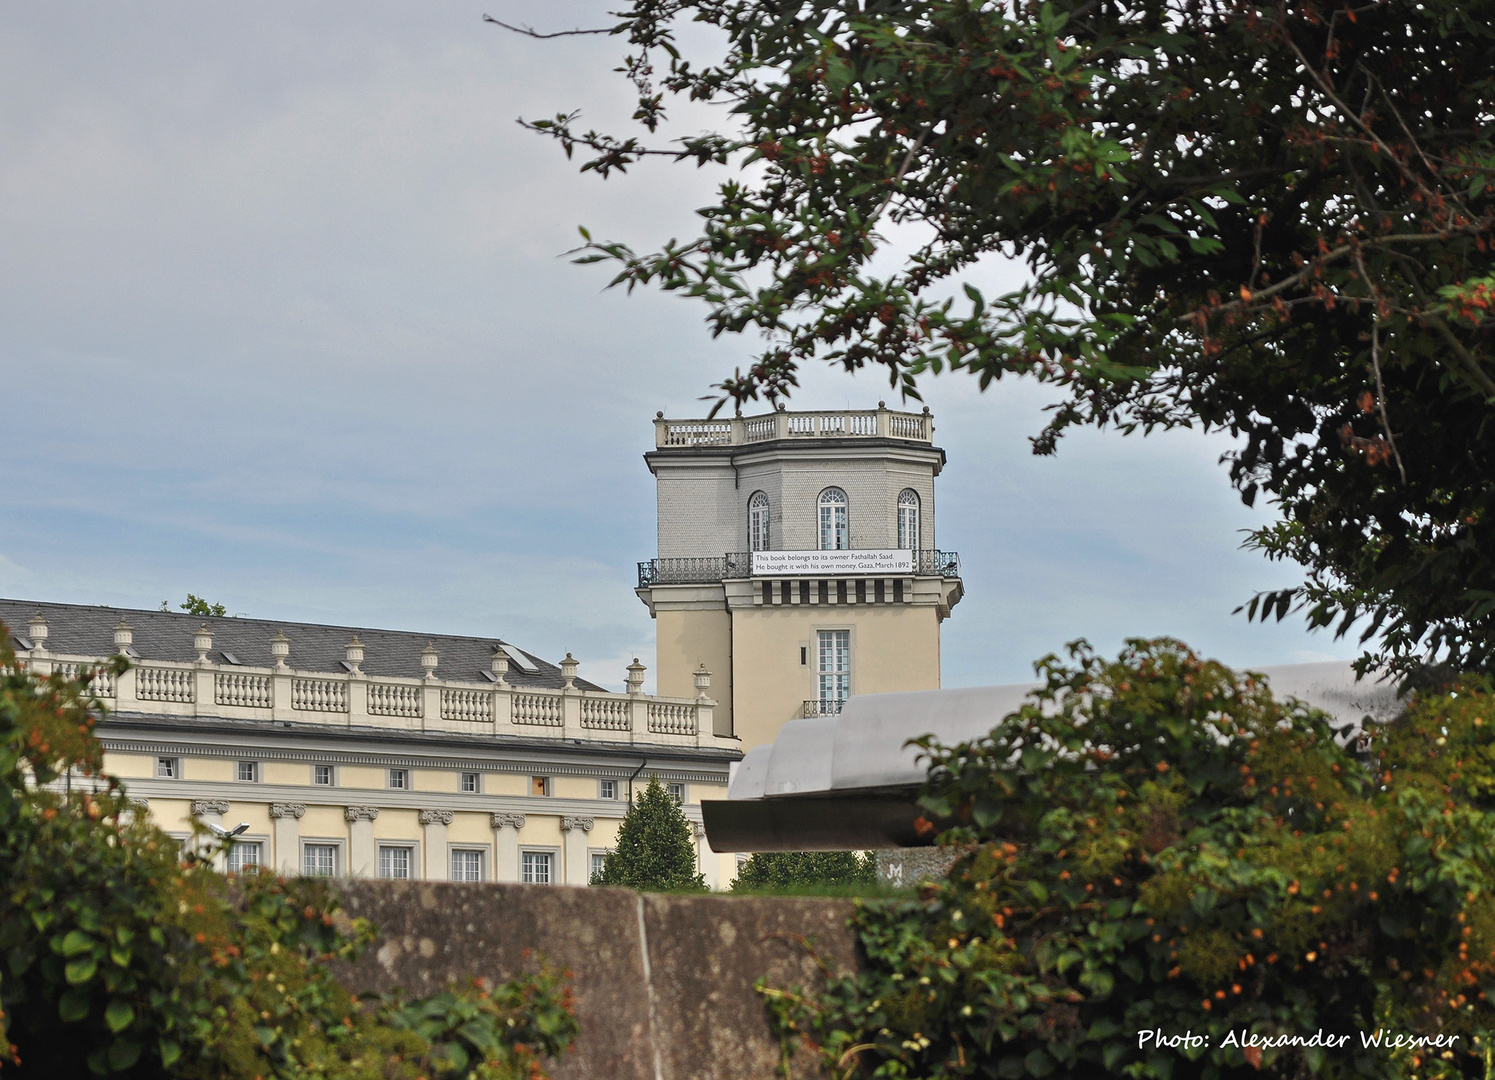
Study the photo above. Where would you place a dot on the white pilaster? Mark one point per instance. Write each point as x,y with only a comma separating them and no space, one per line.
506,846
574,830
285,818
437,866
361,855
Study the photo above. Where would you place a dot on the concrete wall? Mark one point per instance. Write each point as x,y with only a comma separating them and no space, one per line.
664,984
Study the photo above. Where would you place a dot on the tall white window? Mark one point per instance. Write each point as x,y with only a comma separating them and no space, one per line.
908,518
834,535
535,868
758,522
598,860
394,862
834,674
677,792
467,865
319,860
244,855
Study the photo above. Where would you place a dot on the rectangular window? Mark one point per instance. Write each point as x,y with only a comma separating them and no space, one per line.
399,779
539,785
535,868
245,855
468,782
834,678
169,768
467,865
319,860
607,789
677,792
249,772
321,775
599,859
394,862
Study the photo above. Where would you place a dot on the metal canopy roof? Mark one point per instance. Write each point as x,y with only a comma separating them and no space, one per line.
848,782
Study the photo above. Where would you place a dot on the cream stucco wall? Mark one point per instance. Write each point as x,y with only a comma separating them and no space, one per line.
687,639
893,647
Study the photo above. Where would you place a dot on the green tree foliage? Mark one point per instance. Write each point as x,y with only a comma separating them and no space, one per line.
791,870
196,605
1156,843
1270,218
117,959
655,851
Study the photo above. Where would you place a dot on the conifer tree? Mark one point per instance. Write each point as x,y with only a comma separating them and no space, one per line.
654,849
791,870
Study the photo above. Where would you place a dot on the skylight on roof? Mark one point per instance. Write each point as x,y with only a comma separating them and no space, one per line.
521,661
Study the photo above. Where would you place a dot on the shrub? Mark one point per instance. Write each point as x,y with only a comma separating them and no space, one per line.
119,960
655,851
788,870
1156,844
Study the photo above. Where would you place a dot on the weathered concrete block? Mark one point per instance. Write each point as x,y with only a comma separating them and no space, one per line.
664,984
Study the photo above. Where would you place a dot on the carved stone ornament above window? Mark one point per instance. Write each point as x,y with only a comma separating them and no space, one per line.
506,821
287,809
436,817
361,813
585,824
209,806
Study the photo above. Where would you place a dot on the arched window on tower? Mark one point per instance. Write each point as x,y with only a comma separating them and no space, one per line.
758,522
908,518
834,535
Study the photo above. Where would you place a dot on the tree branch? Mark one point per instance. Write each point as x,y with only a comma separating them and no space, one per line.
528,32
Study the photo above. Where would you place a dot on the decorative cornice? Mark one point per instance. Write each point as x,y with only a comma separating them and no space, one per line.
585,824
506,821
287,809
361,813
436,817
209,806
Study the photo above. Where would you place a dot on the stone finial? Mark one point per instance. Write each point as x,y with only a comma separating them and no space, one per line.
703,681
882,404
635,679
506,820
429,658
353,653
36,629
209,806
500,666
280,648
124,636
202,641
436,817
585,824
568,672
287,809
361,813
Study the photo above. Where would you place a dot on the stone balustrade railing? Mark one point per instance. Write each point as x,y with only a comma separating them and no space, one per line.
209,689
879,423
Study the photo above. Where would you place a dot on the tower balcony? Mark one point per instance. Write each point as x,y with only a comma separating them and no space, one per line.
879,423
739,565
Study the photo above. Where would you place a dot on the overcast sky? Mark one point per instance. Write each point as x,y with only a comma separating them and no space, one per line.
285,322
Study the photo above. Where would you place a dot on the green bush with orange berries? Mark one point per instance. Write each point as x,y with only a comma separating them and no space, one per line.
1158,845
118,958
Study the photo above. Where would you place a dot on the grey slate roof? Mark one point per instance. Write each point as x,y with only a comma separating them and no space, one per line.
88,630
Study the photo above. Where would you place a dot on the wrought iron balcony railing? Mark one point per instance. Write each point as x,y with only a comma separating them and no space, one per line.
739,564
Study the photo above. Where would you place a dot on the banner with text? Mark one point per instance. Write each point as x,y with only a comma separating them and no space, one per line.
778,563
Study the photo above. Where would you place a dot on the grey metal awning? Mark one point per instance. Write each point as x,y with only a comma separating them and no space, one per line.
848,782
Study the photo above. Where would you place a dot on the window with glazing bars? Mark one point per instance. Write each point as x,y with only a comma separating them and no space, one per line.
244,854
319,860
758,522
834,535
467,865
908,518
394,862
535,868
834,668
